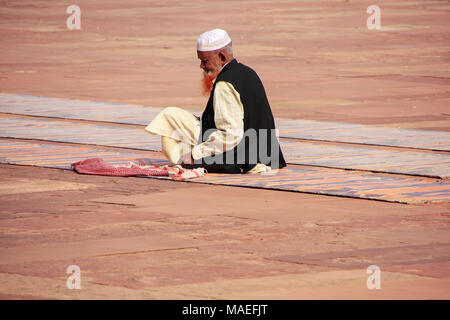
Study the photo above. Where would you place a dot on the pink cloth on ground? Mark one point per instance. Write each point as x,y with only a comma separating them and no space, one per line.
99,166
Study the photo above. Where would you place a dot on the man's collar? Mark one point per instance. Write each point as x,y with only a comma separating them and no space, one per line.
226,65
232,60
223,68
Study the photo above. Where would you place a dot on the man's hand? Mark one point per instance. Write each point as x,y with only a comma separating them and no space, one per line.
186,159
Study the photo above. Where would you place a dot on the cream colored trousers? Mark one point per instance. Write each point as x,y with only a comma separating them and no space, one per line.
180,131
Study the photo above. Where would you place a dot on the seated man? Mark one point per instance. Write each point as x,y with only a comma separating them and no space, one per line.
236,132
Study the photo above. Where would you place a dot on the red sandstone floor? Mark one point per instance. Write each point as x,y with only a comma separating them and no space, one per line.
142,238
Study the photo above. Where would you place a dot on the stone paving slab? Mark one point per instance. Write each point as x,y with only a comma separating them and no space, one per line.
354,259
97,247
49,288
352,282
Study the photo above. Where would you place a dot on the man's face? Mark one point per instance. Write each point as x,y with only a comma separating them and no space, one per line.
209,61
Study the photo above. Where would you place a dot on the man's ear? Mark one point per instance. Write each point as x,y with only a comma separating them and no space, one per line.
222,57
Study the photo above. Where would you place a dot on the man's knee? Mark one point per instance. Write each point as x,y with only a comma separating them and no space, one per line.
169,149
172,112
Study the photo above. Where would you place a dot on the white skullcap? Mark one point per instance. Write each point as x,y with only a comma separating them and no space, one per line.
213,40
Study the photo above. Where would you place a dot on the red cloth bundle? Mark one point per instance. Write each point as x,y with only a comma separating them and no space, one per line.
99,166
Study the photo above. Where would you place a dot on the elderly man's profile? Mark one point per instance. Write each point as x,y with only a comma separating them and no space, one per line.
236,132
